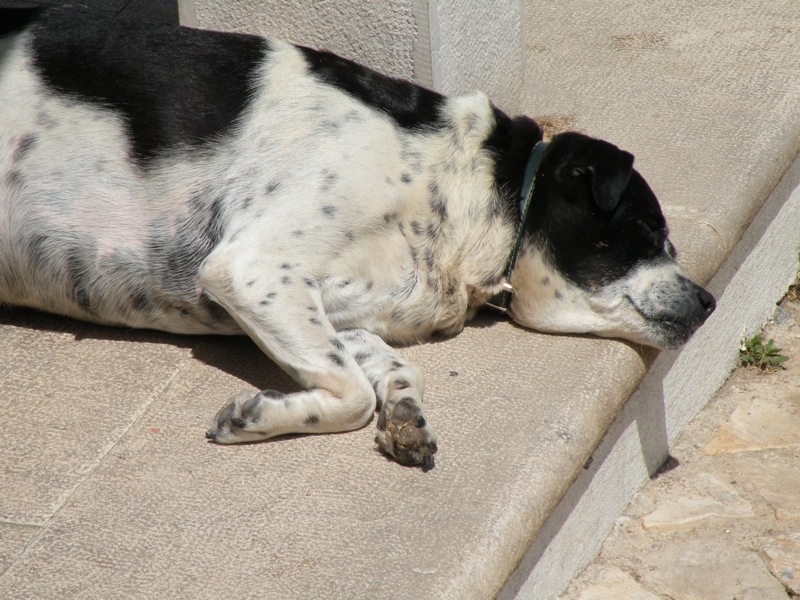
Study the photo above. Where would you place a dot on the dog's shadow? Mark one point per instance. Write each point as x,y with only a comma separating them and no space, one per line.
236,355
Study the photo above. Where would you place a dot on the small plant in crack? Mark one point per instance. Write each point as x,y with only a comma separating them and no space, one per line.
763,356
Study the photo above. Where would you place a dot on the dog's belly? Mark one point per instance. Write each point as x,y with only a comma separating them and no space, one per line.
69,273
99,253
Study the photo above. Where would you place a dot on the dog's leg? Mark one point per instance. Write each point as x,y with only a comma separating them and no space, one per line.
403,430
283,314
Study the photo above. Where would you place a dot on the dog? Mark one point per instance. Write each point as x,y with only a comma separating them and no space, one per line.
199,182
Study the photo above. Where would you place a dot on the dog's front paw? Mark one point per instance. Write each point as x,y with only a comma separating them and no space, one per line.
240,420
404,433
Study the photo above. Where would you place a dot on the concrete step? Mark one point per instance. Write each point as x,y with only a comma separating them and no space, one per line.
108,489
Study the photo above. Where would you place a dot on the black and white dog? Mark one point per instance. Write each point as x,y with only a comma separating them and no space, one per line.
202,182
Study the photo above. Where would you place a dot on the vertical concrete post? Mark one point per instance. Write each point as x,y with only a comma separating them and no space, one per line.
453,46
479,45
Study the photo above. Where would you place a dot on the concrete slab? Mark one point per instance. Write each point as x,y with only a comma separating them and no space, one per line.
168,515
68,392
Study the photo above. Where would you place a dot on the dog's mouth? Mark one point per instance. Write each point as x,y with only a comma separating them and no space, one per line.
671,334
670,330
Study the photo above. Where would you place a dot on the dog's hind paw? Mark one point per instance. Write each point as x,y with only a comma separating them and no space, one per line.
405,435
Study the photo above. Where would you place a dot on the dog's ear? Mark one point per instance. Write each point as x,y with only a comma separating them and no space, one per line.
610,170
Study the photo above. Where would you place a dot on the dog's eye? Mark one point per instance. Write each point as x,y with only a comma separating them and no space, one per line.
578,173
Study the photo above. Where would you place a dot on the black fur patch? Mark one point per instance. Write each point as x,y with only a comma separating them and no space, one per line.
13,20
510,144
409,105
173,85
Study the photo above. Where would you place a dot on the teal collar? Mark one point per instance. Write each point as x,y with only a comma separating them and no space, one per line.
502,299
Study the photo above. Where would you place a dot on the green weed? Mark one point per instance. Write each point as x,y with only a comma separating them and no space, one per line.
766,357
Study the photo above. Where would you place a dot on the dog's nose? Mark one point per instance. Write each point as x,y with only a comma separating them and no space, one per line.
707,301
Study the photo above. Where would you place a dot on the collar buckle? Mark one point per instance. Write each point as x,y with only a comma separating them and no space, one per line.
502,300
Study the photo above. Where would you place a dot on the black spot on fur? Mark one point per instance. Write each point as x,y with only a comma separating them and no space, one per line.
546,281
79,266
329,126
405,178
329,210
174,85
286,266
336,359
311,420
336,343
272,186
314,321
438,201
429,258
286,280
362,357
251,410
350,236
329,181
409,105
309,282
298,233
251,283
14,178
558,296
142,303
24,146
416,228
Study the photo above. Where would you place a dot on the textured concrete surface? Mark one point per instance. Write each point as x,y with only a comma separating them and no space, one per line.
109,489
721,519
141,505
379,34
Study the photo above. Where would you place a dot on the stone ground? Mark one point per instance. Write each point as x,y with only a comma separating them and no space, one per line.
721,520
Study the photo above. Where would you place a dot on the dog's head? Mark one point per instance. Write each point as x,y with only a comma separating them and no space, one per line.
595,256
